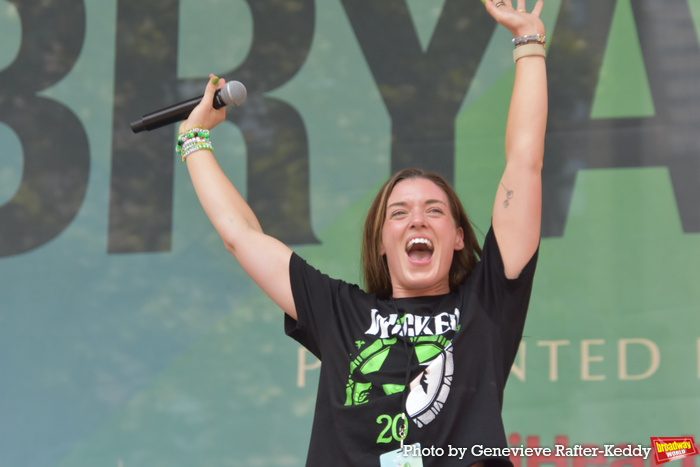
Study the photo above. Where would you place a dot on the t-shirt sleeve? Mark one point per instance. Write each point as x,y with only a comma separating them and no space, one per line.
505,300
313,299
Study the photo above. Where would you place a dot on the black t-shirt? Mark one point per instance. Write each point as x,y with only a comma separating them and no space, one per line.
461,348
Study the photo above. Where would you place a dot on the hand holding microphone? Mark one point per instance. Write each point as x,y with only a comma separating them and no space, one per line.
206,114
197,111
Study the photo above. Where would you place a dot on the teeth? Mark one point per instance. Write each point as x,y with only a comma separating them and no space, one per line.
419,240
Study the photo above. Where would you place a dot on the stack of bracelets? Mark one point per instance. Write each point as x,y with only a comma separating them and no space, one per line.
193,140
529,45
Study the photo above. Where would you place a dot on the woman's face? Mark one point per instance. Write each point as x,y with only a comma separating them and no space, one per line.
419,238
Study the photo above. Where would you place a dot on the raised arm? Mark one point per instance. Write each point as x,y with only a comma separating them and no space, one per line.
264,258
517,209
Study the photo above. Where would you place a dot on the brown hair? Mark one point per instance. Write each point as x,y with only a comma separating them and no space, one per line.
376,271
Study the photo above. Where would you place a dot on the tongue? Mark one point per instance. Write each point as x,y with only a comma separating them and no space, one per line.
420,255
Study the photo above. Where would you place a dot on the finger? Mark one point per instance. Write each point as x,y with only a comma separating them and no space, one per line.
521,5
220,84
538,8
494,6
211,88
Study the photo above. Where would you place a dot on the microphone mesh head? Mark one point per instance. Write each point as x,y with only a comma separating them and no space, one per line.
233,93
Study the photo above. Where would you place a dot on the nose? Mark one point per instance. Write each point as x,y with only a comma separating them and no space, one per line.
417,220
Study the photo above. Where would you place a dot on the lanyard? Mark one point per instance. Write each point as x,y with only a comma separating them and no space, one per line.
403,430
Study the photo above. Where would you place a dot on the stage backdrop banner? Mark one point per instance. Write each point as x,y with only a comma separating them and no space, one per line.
130,337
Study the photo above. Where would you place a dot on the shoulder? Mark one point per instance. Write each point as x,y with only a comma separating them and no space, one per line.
326,308
309,281
489,273
492,258
301,270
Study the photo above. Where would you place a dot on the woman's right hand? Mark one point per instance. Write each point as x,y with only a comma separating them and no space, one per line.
205,115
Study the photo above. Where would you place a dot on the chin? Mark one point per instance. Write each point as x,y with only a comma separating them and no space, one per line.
428,285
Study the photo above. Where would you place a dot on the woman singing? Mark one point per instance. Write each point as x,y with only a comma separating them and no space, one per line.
414,366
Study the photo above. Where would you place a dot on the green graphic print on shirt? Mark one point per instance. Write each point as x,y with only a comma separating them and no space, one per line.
427,334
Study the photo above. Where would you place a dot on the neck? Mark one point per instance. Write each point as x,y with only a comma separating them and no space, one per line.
437,289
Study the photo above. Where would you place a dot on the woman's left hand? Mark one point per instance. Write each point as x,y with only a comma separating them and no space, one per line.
517,20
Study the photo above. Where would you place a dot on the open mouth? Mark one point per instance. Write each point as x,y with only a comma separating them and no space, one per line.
419,249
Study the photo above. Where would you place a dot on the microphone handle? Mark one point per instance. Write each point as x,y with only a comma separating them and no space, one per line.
172,114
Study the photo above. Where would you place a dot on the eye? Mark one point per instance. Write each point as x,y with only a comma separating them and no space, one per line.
397,213
435,210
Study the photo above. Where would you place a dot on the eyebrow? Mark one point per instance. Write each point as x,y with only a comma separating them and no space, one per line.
428,201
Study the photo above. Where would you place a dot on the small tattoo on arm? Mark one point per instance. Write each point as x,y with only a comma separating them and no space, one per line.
230,220
509,195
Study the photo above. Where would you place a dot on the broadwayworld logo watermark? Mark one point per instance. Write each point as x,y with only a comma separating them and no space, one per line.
671,449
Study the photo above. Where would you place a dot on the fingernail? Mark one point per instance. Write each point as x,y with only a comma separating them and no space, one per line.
215,81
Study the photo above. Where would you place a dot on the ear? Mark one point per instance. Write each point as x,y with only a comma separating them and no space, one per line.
459,239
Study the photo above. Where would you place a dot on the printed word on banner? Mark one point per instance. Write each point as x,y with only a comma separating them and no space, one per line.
671,449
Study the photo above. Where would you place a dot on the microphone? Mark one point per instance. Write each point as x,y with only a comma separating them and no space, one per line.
233,93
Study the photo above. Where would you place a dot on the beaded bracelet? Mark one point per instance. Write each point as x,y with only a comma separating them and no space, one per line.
534,39
192,132
192,140
197,147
